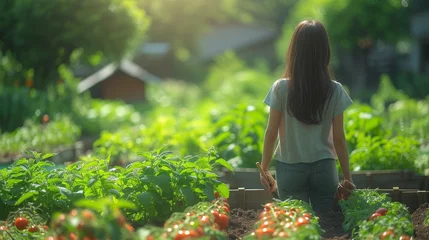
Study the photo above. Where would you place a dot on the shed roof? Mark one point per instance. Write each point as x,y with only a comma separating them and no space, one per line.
126,66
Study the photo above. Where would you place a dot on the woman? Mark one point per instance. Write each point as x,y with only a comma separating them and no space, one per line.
306,113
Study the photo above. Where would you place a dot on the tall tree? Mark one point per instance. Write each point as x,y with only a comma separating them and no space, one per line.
44,34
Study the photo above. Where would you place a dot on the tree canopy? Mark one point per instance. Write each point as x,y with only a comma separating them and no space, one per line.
42,35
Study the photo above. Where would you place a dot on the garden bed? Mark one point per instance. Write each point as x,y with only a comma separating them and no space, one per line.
249,178
242,223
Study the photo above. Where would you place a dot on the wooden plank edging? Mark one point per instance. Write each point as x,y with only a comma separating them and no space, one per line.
256,198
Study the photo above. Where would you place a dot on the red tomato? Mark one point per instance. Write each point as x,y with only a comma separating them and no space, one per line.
386,234
288,225
73,236
33,229
301,221
264,232
381,211
267,224
21,223
307,216
150,237
88,214
405,237
185,234
225,209
375,215
268,206
282,234
46,228
129,227
204,220
88,238
280,212
216,194
222,220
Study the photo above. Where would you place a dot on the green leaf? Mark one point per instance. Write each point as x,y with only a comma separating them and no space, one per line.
225,164
203,163
91,204
164,182
115,192
145,199
92,181
48,155
65,192
208,190
125,204
26,196
190,197
223,190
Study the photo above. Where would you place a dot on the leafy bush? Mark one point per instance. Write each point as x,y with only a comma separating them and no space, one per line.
239,134
36,137
360,205
377,153
95,115
361,121
159,185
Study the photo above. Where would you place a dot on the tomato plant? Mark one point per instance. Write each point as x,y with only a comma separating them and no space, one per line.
387,220
290,218
204,219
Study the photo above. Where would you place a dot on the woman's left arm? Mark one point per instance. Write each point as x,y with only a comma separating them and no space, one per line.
270,138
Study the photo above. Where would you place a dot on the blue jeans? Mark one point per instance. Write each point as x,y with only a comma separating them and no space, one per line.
314,183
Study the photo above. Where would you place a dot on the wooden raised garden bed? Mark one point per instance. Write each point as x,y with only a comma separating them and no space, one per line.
255,198
383,179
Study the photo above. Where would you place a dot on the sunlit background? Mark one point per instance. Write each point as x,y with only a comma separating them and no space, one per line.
119,77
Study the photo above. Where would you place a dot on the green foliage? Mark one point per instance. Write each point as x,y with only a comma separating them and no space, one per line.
380,18
111,27
96,115
230,77
238,134
378,153
386,94
360,121
61,132
397,219
360,206
412,84
159,185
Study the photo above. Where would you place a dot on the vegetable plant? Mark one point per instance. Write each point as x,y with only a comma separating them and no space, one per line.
159,185
204,220
287,219
360,205
392,221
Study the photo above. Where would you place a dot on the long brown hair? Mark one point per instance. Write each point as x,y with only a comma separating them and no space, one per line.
308,71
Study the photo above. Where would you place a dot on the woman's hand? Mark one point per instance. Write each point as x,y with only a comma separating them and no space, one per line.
268,181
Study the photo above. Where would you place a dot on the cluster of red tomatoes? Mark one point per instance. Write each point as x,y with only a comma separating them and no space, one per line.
390,232
86,225
23,224
205,219
280,221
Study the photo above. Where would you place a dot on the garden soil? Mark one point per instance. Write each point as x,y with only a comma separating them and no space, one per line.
242,222
421,231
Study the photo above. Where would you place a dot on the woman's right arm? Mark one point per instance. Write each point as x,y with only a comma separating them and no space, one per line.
340,145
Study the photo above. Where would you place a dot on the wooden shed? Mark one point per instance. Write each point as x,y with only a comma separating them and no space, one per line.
118,81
